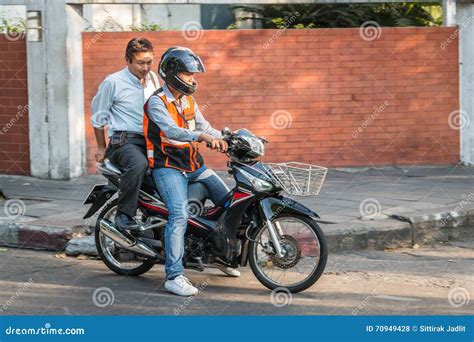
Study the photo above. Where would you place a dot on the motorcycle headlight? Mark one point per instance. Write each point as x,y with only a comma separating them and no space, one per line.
259,184
256,146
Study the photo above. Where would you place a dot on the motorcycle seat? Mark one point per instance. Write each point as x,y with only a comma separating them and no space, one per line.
196,191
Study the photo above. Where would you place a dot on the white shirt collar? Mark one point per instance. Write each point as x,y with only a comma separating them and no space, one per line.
170,98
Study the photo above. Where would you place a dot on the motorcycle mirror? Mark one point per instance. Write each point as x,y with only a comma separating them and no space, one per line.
226,131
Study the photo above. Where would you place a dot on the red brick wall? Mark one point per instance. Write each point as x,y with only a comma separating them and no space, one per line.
330,83
14,137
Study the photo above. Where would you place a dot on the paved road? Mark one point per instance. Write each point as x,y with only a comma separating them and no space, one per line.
434,280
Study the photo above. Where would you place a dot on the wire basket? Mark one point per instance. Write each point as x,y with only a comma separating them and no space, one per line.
297,179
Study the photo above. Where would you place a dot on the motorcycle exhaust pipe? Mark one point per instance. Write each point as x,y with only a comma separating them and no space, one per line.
125,240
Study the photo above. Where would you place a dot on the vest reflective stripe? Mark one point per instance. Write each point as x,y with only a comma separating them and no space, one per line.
149,143
172,142
165,152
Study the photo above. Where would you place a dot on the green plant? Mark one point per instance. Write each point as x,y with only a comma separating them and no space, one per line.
12,25
146,26
343,15
110,24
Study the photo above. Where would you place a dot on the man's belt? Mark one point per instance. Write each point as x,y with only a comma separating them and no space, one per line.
129,134
120,138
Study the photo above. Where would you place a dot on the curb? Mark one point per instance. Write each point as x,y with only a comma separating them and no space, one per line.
38,237
399,231
373,235
442,226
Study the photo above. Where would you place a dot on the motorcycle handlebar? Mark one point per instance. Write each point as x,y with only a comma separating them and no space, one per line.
227,137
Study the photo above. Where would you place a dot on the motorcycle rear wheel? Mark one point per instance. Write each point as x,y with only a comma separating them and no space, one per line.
112,254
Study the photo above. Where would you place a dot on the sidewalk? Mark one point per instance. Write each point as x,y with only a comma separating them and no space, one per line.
364,208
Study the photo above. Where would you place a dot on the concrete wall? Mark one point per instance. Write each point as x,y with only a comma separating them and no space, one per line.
333,97
465,14
12,12
122,17
56,120
172,17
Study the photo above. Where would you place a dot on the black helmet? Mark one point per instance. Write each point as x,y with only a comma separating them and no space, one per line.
178,59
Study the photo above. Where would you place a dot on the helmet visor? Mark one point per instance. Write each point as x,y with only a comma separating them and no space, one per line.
192,63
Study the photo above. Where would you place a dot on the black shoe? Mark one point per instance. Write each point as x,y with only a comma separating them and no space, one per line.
125,222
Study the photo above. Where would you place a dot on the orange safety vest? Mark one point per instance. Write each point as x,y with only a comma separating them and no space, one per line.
165,152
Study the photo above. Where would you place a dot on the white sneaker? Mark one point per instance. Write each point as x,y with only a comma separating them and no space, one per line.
229,271
181,286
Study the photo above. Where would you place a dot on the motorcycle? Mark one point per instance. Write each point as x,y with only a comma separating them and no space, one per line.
254,224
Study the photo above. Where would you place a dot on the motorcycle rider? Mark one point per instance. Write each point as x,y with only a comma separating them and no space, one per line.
119,104
173,126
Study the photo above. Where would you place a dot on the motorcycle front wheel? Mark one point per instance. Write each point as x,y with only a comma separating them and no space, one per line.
305,254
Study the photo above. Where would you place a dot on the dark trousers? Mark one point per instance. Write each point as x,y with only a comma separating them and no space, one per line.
131,159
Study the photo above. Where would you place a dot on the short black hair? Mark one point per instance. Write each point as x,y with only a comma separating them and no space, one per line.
137,45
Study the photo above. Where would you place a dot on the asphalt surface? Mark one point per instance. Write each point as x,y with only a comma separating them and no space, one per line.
435,280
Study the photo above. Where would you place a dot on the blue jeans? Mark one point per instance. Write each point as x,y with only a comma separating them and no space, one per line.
173,187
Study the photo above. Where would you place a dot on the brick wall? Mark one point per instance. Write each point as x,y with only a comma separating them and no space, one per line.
14,138
323,96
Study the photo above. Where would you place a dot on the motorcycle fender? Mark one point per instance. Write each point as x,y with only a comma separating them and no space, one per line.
273,206
98,196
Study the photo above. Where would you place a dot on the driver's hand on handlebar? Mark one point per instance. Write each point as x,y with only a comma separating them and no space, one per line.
219,145
222,145
213,143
